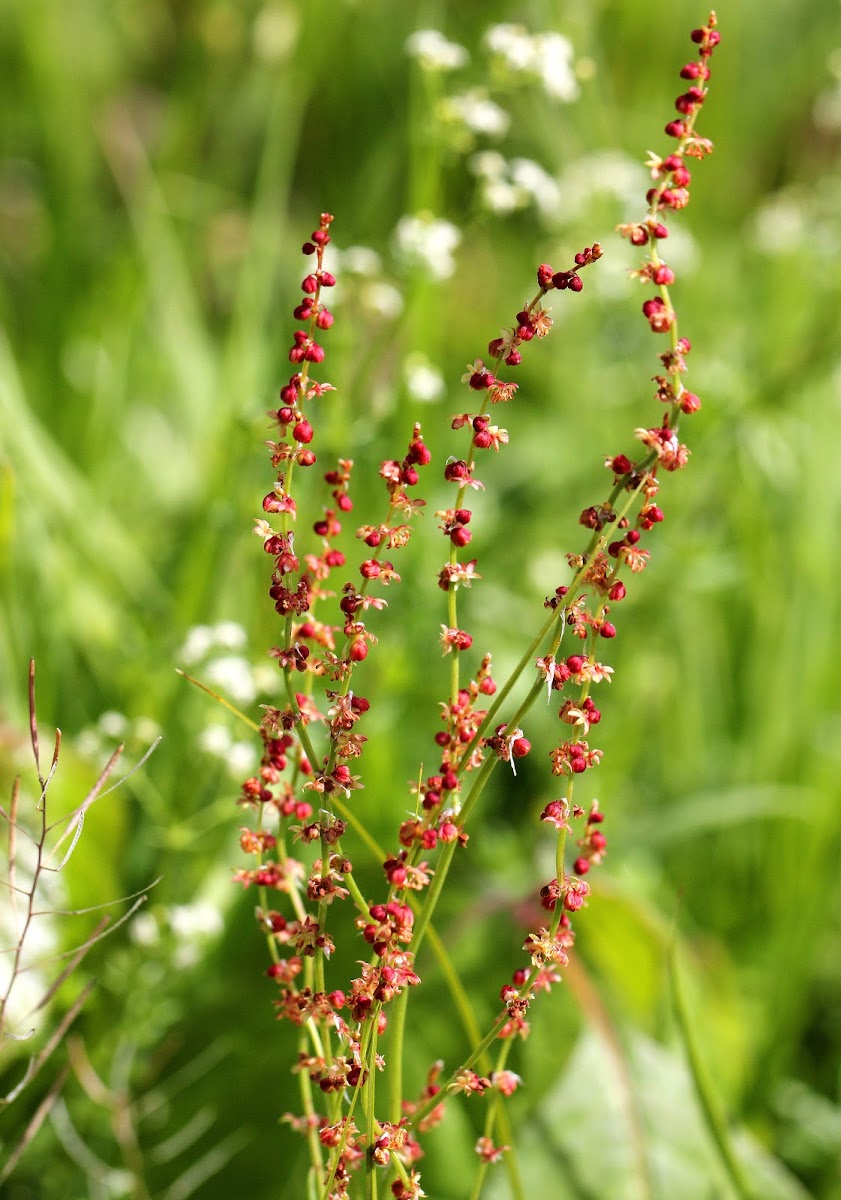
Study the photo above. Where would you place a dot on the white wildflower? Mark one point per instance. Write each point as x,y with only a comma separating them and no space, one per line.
434,52
200,920
424,382
360,260
537,183
232,675
229,634
382,298
113,724
215,740
426,242
779,225
488,164
479,113
513,44
241,758
198,643
501,196
553,65
144,929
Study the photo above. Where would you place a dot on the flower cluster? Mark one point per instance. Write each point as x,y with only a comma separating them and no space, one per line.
618,524
311,745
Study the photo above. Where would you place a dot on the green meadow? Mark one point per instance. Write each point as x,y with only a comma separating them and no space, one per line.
162,164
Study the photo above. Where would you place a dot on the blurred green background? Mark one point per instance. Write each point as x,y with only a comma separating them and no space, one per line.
162,164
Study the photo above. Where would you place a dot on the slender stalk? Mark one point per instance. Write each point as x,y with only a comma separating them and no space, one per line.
708,1100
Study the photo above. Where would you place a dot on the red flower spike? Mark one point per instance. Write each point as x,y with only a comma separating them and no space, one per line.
310,648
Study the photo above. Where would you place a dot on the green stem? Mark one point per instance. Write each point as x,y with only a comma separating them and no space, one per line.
704,1090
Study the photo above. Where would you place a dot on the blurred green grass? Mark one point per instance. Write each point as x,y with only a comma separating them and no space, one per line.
163,163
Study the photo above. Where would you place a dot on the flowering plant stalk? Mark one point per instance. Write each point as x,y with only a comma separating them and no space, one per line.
351,1036
39,846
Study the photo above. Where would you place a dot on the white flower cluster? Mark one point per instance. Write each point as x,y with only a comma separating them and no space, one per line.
434,52
476,112
423,381
97,742
508,186
235,678
182,930
428,244
546,57
370,289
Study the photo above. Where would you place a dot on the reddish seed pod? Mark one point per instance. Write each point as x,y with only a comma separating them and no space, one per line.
581,866
617,592
418,453
622,465
460,536
663,275
544,275
520,747
358,650
309,285
308,248
639,237
607,629
463,515
303,432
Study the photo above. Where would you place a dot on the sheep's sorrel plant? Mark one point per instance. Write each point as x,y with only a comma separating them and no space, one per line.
364,1132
